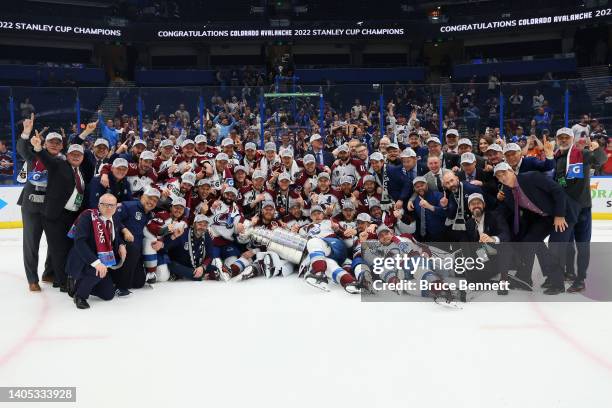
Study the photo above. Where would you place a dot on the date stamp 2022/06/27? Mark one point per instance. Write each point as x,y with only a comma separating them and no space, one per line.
37,394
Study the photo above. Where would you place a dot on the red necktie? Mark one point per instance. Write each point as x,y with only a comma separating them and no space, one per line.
109,227
77,180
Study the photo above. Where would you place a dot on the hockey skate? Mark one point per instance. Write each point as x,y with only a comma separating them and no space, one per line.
354,288
365,281
249,272
151,278
318,281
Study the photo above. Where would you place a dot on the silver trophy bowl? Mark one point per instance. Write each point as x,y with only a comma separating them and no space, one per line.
286,244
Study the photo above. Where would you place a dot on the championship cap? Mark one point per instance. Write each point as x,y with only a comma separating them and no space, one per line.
407,152
187,142
419,179
309,158
270,147
147,155
512,147
101,141
464,141
452,132
200,218
503,166
189,178
75,148
152,192
54,135
377,156
179,201
200,139
382,228
364,217
475,196
119,162
433,140
221,157
468,157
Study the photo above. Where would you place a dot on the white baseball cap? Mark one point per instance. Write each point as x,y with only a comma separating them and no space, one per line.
258,174
250,146
564,131
433,139
228,141
147,155
187,142
101,141
270,146
286,153
222,156
119,162
475,196
200,218
152,192
419,179
166,143
75,148
200,139
495,147
407,152
503,166
323,174
139,142
54,135
468,157
179,201
512,147
377,156
189,178
314,137
452,132
464,141
309,158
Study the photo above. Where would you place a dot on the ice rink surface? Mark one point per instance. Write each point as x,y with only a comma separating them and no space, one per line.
282,343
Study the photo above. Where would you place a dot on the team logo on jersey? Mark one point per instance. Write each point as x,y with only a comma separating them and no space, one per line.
315,230
138,215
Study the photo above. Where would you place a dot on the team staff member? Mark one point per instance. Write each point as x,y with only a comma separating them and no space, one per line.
536,207
574,161
64,198
98,246
32,199
134,216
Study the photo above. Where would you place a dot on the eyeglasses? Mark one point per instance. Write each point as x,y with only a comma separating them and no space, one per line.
107,205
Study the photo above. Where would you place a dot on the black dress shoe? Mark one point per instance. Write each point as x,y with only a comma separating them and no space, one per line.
577,286
56,284
571,276
64,288
554,290
518,284
547,284
81,303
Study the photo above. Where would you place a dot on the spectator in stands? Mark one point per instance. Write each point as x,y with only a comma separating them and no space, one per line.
606,169
537,100
516,102
582,128
472,119
6,164
541,121
494,84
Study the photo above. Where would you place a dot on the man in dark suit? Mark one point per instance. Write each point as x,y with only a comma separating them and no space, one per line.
520,164
428,213
449,161
32,200
471,173
486,229
64,198
117,184
322,156
536,207
91,273
93,159
455,201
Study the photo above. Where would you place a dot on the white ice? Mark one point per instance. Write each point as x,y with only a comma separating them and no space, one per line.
282,343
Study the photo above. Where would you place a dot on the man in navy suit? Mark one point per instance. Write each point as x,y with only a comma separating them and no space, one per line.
536,207
90,273
400,177
323,157
520,164
455,201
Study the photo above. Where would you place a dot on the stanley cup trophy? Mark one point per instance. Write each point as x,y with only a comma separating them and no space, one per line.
286,244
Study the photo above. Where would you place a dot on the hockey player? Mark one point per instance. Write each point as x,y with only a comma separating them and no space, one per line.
270,159
140,176
295,219
366,193
164,223
220,173
308,177
325,196
345,166
227,147
251,158
205,196
254,195
190,253
264,262
177,188
325,254
283,193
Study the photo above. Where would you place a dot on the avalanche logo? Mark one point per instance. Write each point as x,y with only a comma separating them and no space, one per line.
575,171
315,230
